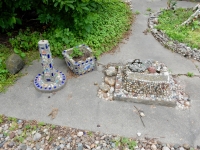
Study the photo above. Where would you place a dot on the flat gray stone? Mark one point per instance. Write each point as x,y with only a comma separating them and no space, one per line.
22,147
37,136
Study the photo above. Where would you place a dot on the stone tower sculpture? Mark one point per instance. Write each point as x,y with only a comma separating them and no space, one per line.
50,79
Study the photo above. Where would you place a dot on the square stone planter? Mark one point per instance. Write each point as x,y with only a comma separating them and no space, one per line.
83,66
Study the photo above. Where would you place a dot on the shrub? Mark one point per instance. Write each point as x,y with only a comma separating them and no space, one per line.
59,13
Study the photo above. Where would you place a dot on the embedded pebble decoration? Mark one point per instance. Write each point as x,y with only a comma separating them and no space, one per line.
158,88
153,85
50,79
106,89
82,66
177,47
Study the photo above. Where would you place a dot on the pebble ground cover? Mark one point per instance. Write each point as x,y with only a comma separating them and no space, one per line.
18,134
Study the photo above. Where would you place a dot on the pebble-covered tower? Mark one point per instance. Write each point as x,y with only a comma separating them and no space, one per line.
50,79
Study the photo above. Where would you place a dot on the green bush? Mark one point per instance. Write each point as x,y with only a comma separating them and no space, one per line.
109,25
59,13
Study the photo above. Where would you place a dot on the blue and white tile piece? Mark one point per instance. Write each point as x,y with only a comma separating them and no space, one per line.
50,79
83,66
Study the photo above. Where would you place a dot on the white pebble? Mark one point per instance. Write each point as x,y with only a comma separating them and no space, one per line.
80,134
139,134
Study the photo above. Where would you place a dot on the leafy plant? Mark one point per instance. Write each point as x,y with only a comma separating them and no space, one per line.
5,134
12,119
136,12
190,74
20,138
90,133
76,52
53,126
195,25
28,126
25,41
1,119
41,123
149,9
13,126
125,142
101,29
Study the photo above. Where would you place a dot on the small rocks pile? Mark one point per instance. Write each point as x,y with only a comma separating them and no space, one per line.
17,134
152,144
106,89
31,135
177,47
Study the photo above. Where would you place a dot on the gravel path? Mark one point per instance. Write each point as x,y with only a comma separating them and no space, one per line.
17,134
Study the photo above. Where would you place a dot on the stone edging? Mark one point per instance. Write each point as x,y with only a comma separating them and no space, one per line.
175,46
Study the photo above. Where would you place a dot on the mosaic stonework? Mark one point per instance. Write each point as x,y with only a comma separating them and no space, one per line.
141,90
50,79
153,86
156,83
83,66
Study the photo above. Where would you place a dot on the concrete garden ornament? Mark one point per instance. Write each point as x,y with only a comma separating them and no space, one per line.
50,79
80,59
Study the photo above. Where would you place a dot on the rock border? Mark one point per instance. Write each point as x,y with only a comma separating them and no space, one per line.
175,46
21,134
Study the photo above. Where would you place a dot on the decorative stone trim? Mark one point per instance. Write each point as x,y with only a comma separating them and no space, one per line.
168,98
83,66
175,46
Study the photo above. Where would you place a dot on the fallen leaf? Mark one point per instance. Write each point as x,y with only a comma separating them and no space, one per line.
53,113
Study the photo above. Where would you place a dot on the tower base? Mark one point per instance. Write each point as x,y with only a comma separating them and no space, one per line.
49,86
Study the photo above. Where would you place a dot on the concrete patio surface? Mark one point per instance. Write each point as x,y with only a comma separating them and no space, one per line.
79,107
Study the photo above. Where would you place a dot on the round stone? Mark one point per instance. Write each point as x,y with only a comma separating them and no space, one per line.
165,148
151,69
153,147
80,134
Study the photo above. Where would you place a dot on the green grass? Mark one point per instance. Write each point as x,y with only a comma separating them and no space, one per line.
170,22
136,12
149,9
190,74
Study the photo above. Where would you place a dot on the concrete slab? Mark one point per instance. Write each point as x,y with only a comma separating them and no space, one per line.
192,87
79,107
